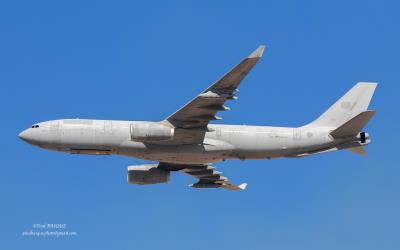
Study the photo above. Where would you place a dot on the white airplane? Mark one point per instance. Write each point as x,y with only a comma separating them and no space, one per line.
187,142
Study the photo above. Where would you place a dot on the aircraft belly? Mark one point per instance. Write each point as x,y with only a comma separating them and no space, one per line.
265,145
210,151
176,156
205,153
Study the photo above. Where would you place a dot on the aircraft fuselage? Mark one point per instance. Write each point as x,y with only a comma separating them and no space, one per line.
221,142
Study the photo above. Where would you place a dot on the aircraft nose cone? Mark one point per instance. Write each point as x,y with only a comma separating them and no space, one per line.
25,136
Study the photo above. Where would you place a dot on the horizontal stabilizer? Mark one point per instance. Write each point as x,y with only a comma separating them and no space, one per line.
358,150
354,125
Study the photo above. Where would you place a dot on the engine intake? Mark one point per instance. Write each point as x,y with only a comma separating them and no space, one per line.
151,131
147,174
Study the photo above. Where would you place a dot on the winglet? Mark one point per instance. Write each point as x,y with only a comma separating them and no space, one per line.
242,186
258,52
231,187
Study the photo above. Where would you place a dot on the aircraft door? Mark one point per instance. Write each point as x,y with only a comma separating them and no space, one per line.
107,127
297,134
218,132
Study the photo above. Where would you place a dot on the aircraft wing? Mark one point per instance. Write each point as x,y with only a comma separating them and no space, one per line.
203,108
206,174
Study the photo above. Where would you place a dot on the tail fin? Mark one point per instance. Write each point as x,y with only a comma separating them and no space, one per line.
355,101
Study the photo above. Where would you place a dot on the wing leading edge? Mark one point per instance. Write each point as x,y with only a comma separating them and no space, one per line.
203,108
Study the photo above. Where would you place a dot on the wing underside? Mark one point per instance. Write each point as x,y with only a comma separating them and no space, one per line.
207,176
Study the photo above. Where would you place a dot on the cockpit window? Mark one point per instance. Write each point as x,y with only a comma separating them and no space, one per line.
35,126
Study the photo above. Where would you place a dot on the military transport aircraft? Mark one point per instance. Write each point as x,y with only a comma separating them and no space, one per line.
187,142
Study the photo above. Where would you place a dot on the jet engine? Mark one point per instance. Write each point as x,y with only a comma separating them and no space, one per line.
147,174
363,137
151,131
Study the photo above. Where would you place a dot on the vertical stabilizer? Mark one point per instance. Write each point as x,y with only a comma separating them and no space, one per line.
354,102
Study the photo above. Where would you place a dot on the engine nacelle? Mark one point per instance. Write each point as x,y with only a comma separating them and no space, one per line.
147,174
151,131
363,137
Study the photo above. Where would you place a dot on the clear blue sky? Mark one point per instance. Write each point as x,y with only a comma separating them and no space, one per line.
135,60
